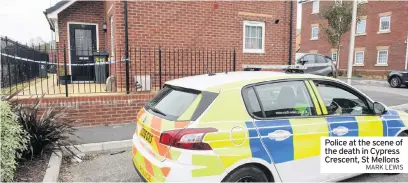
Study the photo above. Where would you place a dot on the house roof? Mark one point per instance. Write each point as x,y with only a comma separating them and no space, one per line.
55,7
51,13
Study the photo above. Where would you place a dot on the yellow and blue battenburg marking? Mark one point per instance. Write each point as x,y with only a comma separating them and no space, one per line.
257,149
349,122
393,123
304,143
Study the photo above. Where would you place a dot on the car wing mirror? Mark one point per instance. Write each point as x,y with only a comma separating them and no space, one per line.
380,108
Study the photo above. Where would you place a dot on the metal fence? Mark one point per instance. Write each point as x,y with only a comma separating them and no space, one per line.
17,66
80,71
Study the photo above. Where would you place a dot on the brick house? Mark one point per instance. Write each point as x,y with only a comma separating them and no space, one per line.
381,36
179,24
188,25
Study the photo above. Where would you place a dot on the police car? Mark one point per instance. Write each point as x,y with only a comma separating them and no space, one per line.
252,126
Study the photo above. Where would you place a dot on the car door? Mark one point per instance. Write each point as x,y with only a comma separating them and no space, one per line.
290,127
323,66
347,112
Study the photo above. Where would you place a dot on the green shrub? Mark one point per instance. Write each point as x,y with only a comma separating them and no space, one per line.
48,132
13,141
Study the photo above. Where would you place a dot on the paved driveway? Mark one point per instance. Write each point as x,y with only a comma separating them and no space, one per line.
118,168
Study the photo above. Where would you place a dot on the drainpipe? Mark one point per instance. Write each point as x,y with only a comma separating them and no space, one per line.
126,46
406,54
290,33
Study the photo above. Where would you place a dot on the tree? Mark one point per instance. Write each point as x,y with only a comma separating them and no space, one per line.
338,18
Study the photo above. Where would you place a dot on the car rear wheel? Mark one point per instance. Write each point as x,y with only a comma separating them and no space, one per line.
395,82
247,174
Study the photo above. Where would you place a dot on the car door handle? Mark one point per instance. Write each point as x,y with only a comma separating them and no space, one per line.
340,131
279,135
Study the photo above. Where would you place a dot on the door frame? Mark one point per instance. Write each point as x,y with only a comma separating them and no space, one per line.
69,38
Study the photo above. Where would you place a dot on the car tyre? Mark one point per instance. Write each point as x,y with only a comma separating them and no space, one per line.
246,174
402,134
395,82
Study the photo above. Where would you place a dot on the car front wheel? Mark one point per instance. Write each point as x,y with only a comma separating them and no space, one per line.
395,82
247,174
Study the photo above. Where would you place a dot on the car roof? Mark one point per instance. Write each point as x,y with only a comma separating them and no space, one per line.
219,81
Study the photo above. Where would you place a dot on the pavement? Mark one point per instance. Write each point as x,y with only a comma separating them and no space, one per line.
112,166
118,167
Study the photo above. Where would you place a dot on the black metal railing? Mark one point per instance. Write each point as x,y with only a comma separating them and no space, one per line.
84,71
18,67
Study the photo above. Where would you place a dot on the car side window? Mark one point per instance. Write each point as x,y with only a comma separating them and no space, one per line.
283,99
320,59
310,59
252,102
340,101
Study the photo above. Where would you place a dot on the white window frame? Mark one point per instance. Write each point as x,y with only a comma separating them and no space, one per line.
389,24
316,6
378,57
317,36
112,37
334,53
355,58
362,1
365,26
254,23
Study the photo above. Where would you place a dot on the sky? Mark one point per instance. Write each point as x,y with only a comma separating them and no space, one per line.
22,20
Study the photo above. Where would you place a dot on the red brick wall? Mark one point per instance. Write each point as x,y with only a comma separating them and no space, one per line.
206,25
186,25
395,39
98,110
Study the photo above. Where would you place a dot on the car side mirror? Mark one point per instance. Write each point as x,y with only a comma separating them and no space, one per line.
303,62
379,108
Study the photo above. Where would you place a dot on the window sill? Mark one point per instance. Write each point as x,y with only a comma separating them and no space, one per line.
383,32
381,65
314,13
358,65
254,51
361,34
314,39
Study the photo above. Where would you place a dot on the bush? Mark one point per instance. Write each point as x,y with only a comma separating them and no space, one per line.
48,132
13,141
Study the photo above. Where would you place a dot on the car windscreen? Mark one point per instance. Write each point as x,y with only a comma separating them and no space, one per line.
171,102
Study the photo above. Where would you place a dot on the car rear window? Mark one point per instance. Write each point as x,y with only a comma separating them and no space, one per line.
171,102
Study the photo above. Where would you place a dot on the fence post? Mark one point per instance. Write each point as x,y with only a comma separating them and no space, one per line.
160,69
234,60
65,70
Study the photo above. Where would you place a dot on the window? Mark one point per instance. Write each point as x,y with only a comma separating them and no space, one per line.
361,26
338,2
362,1
382,56
385,23
252,102
309,59
340,101
112,37
315,33
254,37
334,56
281,99
320,59
315,6
359,58
171,103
